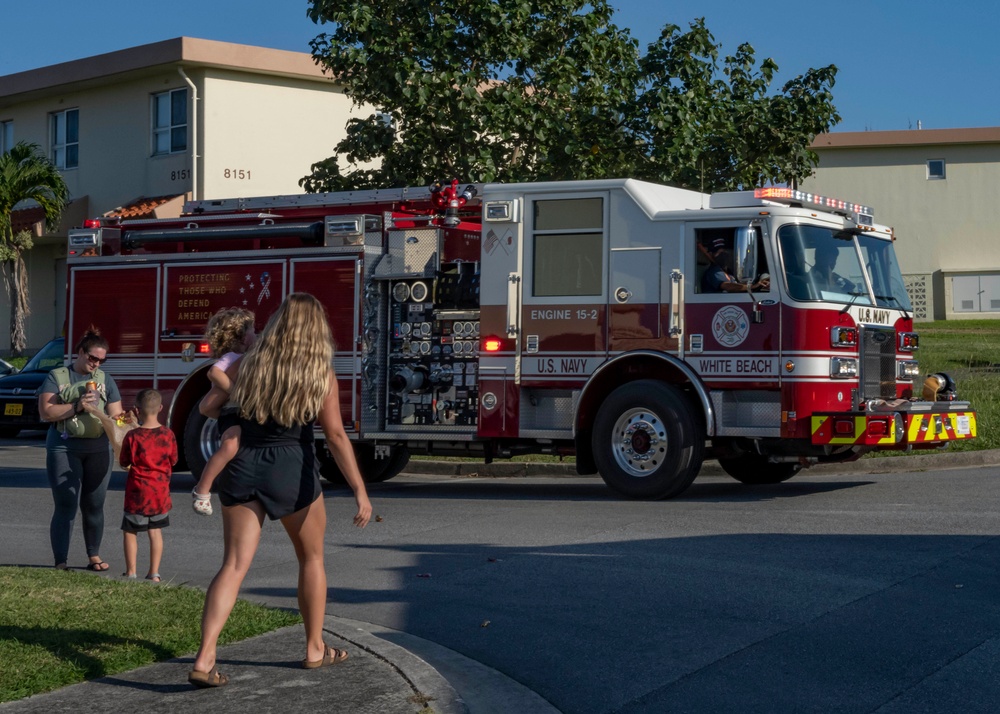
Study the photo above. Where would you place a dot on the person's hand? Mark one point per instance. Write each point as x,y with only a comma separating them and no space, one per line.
128,417
364,513
89,401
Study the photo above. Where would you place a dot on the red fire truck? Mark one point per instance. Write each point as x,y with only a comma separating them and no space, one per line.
636,326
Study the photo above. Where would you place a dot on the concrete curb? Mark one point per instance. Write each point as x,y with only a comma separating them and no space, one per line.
427,683
434,669
885,464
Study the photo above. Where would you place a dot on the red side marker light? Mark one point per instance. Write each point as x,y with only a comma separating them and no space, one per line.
491,344
878,428
204,349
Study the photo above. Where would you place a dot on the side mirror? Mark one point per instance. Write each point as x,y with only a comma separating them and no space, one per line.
745,254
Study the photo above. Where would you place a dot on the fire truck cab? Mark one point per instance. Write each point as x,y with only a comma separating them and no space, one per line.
636,326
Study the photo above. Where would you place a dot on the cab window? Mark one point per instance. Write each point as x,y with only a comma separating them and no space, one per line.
568,247
714,259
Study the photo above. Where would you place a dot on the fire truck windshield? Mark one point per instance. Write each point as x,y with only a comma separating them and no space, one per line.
883,269
822,264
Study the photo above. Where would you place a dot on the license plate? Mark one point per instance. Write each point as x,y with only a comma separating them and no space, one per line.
13,410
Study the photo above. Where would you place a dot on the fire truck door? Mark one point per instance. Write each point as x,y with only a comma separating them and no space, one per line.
634,298
564,291
335,282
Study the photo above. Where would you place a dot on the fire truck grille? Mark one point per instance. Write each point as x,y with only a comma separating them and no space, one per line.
878,363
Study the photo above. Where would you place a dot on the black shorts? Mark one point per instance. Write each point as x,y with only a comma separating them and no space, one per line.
284,478
135,523
228,417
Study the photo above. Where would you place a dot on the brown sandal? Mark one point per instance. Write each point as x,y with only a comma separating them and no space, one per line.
331,656
208,679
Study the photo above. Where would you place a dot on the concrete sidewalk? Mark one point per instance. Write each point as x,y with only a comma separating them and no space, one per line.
266,675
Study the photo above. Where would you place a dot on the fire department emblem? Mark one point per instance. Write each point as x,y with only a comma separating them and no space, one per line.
730,326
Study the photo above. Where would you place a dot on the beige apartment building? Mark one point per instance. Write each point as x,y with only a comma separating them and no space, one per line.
938,189
141,130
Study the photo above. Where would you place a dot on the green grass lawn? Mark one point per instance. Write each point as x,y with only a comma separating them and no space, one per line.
63,627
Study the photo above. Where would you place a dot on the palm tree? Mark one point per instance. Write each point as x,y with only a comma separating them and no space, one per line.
25,175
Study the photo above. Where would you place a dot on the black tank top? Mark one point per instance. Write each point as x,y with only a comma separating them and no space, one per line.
259,436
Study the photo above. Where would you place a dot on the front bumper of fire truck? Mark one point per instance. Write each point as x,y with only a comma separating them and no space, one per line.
897,424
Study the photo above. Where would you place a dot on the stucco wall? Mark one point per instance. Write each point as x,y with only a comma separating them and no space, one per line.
262,134
115,165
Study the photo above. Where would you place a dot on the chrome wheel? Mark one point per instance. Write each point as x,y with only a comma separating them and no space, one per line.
640,442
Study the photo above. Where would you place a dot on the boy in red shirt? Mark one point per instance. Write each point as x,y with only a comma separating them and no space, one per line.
149,452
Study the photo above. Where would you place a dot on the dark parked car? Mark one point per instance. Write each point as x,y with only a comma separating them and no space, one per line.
19,391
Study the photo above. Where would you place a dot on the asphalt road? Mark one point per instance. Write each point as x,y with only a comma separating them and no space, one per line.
829,593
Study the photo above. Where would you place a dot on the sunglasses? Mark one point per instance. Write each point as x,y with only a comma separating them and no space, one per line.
98,360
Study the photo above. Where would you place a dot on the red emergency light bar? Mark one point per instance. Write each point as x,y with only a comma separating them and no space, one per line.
790,195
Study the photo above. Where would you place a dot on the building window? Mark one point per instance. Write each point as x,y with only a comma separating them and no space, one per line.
170,122
66,138
6,136
935,169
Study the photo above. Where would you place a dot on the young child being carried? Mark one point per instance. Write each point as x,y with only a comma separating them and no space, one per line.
149,453
230,333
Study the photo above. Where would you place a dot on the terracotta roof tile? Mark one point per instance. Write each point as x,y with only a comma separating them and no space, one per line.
142,207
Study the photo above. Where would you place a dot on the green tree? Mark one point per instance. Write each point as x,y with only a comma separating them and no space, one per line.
25,175
482,90
711,128
499,90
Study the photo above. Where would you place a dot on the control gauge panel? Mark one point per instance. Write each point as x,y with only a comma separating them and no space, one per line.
432,365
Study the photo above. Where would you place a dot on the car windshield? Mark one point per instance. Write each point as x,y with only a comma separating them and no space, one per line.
822,264
49,357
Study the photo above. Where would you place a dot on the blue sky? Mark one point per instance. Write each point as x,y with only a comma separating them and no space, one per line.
901,62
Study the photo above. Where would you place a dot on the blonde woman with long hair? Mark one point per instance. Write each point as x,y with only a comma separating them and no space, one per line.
284,383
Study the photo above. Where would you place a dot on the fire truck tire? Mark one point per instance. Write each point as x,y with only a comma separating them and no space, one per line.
328,468
646,442
372,470
201,439
378,470
754,470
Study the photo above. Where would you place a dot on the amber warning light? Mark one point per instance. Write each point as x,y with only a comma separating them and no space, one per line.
491,344
204,349
783,195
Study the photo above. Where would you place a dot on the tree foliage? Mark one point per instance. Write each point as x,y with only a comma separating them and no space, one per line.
25,175
713,128
502,90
